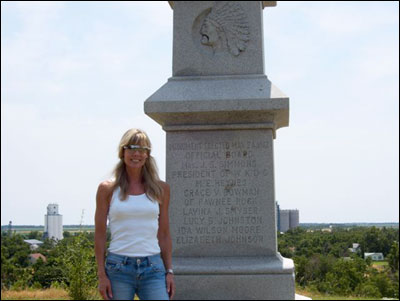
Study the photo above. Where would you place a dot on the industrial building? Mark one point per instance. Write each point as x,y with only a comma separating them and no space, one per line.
53,226
293,218
286,218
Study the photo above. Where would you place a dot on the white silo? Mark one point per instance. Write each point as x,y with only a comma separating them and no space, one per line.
294,218
53,227
284,220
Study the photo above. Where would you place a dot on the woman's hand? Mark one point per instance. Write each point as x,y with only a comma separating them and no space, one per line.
170,285
105,287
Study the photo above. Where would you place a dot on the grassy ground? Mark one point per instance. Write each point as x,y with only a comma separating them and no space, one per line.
319,296
60,294
380,265
48,294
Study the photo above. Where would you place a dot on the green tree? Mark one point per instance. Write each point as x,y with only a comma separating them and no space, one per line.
383,283
393,257
344,277
80,267
46,273
14,260
34,235
66,234
300,270
368,289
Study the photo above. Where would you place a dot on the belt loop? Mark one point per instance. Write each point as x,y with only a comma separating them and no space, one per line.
125,260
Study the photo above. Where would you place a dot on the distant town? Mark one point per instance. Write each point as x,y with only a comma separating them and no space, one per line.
74,228
286,219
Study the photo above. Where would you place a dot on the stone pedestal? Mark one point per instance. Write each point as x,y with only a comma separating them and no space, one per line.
221,114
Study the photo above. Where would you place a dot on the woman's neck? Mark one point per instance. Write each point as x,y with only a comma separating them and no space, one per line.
134,175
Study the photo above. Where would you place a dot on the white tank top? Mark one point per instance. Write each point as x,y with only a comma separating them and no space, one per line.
134,225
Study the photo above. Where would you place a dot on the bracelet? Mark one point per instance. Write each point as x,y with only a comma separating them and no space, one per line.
170,271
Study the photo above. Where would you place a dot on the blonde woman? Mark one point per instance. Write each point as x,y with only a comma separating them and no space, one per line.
136,203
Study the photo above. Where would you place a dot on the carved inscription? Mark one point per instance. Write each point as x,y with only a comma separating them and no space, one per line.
219,184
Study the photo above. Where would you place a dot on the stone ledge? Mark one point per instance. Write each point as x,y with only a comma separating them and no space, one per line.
218,100
233,265
217,88
300,297
214,127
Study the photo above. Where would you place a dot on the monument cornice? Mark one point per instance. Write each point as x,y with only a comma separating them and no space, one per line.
218,103
264,4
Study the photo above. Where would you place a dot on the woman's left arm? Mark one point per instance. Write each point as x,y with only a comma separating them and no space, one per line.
164,239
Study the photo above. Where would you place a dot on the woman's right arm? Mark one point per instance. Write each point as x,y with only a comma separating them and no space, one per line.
103,198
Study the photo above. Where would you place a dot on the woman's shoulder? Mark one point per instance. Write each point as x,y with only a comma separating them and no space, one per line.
164,185
106,187
165,192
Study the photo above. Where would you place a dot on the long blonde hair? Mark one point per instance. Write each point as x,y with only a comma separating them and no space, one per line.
151,181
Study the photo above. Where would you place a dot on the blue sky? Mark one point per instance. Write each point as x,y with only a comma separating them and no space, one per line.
74,76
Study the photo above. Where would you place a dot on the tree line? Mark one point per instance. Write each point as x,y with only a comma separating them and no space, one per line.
323,261
70,264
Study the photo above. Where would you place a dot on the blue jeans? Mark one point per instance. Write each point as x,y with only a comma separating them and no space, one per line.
144,276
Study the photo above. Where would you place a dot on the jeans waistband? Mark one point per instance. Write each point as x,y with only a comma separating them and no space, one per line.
126,259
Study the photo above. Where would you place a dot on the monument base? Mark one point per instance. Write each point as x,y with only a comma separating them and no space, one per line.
220,166
234,278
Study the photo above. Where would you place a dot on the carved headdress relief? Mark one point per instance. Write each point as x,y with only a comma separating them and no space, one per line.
226,27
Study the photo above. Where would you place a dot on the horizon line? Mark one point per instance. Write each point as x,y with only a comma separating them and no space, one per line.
14,225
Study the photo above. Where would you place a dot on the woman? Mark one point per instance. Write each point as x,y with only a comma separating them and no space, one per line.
136,204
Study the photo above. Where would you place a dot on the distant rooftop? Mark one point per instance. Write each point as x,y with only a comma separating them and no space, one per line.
33,241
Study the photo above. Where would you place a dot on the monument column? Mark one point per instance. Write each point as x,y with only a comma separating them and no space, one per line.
220,113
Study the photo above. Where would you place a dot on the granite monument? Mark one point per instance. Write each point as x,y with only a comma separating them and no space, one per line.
221,113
